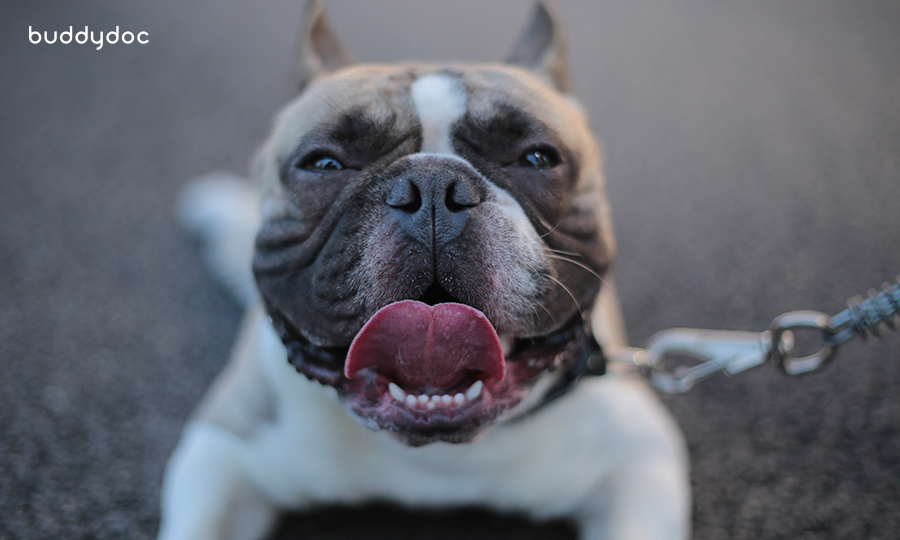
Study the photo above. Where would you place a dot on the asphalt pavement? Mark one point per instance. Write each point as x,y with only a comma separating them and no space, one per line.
753,162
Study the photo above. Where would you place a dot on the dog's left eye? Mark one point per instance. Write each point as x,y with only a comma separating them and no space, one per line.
543,158
321,164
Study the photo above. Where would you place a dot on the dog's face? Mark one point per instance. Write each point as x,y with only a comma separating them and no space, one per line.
433,235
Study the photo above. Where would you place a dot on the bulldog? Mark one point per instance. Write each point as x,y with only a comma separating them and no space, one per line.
431,259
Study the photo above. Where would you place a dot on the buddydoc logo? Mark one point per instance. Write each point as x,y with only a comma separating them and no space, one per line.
81,37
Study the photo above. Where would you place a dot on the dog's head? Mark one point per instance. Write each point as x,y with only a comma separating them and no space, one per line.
433,235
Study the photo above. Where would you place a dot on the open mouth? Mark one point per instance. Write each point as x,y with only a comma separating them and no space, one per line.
431,369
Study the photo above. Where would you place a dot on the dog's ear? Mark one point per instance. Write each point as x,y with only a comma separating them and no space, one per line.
542,49
318,50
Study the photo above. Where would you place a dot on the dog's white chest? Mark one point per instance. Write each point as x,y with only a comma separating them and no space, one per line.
602,455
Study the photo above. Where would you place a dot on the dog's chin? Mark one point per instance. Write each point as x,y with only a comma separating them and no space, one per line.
455,414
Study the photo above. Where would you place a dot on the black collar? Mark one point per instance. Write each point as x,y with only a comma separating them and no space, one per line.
588,359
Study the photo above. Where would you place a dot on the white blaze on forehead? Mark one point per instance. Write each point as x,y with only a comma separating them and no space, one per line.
440,101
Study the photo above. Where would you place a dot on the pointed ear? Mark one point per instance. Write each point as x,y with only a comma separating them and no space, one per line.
542,49
318,50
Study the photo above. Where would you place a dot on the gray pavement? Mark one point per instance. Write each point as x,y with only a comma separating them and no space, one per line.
753,156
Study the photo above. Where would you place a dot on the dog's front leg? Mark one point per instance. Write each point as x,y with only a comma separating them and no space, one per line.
647,498
206,495
641,483
648,502
206,490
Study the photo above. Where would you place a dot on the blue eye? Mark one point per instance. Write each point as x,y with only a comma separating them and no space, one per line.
322,164
539,159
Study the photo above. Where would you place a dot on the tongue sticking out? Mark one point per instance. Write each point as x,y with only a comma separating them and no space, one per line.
427,346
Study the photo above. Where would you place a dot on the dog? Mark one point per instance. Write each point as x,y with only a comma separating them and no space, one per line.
431,259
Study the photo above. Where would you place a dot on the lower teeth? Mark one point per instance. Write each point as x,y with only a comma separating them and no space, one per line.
430,402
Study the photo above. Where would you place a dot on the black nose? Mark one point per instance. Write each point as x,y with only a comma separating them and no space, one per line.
432,201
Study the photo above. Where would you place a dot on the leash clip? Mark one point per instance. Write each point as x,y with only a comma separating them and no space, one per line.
669,360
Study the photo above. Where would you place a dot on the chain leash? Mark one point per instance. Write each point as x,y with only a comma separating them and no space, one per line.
732,352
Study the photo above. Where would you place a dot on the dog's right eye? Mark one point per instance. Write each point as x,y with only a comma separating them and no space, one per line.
320,164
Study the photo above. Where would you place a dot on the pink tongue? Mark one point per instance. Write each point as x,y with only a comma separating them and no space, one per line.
427,345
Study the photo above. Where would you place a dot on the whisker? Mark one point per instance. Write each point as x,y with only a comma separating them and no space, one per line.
535,316
493,174
329,102
572,296
251,284
538,93
561,252
236,283
550,229
552,318
578,264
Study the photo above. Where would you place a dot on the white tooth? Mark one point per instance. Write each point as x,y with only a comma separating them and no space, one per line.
435,399
423,399
459,399
446,399
475,390
506,343
411,400
396,392
431,405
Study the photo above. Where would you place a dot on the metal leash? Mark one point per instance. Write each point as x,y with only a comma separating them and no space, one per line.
732,352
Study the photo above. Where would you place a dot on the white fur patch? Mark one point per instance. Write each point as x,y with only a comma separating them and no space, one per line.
440,101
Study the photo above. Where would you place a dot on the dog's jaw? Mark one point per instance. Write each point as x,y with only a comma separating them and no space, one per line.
454,414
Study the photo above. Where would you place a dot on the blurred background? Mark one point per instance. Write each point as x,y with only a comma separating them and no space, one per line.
753,161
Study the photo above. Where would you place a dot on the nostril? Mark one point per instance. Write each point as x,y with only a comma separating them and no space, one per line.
452,205
461,196
405,196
